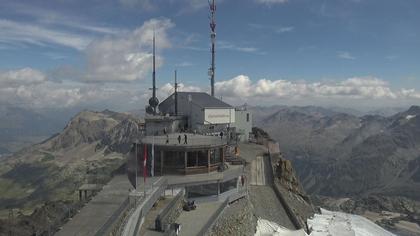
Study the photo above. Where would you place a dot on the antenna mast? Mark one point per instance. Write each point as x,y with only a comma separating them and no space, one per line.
213,42
176,96
153,101
154,69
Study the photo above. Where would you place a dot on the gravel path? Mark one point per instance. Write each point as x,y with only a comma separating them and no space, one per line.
267,206
237,219
193,221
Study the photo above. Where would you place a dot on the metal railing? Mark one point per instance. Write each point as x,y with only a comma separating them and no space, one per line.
143,207
192,140
113,219
163,214
209,225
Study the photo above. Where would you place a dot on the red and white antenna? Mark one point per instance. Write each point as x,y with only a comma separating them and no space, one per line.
212,69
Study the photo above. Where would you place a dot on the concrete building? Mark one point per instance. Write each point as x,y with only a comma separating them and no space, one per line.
196,164
243,124
159,125
204,113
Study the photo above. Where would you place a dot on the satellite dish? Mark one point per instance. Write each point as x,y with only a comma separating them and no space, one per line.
149,110
153,102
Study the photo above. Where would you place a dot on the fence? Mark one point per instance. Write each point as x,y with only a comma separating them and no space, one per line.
113,220
143,208
207,227
167,215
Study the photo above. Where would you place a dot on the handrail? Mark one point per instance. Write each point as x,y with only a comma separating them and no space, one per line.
144,207
164,212
207,227
114,218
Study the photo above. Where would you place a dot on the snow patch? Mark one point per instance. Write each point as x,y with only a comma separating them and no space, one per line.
338,223
328,223
266,228
409,117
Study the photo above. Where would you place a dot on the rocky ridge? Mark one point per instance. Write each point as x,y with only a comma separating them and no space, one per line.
90,148
343,155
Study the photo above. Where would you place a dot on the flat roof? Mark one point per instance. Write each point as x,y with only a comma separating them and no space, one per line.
201,99
193,141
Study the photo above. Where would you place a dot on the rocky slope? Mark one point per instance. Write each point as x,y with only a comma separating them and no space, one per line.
21,127
344,155
90,147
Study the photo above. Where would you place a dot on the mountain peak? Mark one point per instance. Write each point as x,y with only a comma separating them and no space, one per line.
414,110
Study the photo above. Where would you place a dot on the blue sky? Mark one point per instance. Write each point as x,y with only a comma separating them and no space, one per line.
303,52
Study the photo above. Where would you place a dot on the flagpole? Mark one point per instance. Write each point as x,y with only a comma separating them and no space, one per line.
152,170
145,168
136,165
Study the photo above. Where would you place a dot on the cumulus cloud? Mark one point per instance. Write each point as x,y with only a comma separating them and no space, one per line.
31,88
127,57
264,90
25,76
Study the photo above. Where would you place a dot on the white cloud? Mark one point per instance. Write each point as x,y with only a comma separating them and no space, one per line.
233,47
186,6
268,2
275,29
242,88
184,64
345,55
142,4
52,18
285,29
25,76
12,33
30,88
127,57
48,28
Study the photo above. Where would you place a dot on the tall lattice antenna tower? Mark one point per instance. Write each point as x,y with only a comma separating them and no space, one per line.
212,69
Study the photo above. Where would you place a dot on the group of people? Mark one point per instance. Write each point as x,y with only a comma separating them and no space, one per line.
185,137
179,137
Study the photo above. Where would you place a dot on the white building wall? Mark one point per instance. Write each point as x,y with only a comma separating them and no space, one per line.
219,116
243,124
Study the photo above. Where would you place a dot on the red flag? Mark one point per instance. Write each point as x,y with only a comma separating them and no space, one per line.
145,163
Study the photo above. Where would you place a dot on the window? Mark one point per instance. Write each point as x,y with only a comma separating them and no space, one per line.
247,117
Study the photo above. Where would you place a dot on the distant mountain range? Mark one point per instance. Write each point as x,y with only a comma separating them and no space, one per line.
339,154
89,148
334,153
21,127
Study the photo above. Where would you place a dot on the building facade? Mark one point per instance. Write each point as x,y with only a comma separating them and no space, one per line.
243,124
204,113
